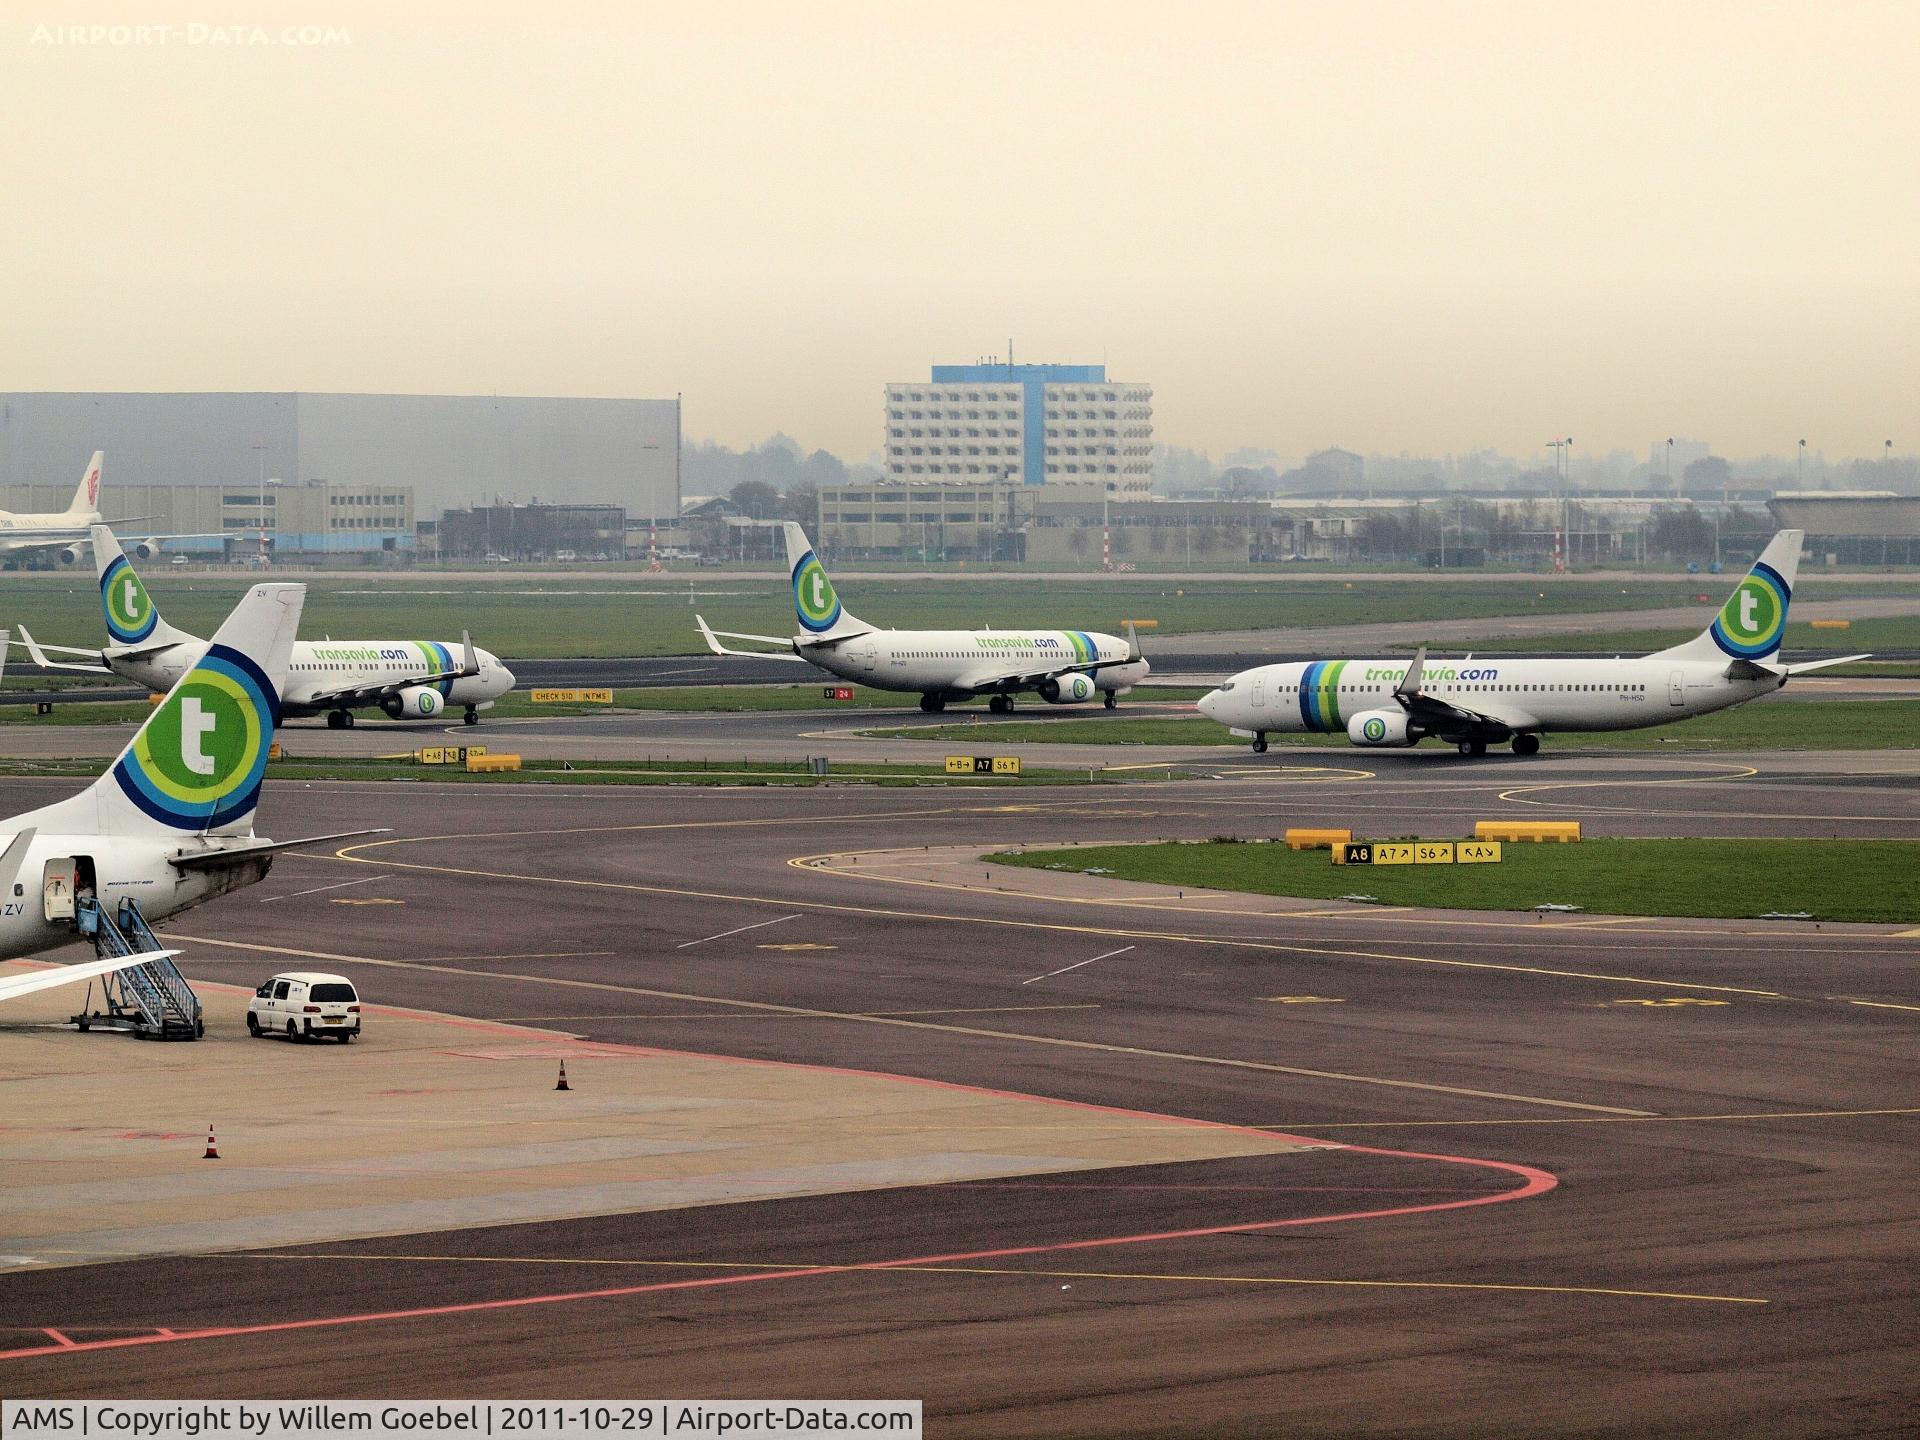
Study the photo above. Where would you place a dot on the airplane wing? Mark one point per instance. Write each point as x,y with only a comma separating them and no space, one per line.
713,644
213,859
14,986
983,681
351,696
1446,719
38,655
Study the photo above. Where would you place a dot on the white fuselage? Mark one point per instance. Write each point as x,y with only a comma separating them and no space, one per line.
1527,696
325,667
965,662
116,867
65,529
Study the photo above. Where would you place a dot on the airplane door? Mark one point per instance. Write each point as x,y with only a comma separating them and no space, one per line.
1259,692
871,654
1677,687
57,889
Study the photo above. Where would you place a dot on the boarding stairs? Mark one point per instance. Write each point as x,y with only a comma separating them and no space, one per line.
152,999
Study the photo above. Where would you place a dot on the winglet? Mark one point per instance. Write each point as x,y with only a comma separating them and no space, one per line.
16,855
34,652
712,644
1409,685
1133,643
470,663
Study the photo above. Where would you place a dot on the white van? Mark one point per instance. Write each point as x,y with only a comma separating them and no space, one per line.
306,1005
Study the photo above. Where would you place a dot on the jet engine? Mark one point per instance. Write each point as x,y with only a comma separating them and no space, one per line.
1066,689
71,554
414,702
1380,727
146,549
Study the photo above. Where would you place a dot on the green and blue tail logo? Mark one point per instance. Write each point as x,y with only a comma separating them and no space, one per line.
197,763
130,611
1754,619
813,598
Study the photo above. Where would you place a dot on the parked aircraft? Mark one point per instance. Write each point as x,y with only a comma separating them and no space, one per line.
1062,667
407,679
63,535
1476,703
170,824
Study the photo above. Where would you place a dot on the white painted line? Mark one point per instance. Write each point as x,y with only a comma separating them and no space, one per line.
741,931
318,888
1077,964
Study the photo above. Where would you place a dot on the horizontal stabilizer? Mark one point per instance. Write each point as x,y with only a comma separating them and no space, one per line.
234,854
1805,666
14,986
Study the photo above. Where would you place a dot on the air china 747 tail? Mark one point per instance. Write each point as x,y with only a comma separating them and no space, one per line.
1472,704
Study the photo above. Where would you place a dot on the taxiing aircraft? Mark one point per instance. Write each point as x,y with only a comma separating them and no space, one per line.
1062,667
407,679
63,535
1476,703
170,824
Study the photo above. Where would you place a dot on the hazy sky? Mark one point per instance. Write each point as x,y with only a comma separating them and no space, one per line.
1418,226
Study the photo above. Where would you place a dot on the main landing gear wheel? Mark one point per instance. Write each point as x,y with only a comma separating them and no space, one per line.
339,720
1001,704
1473,747
1526,744
473,716
1259,744
1112,700
933,704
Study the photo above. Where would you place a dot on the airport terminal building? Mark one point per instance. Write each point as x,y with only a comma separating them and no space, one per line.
355,471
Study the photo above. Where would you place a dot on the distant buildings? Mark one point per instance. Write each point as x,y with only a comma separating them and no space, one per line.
1025,424
375,460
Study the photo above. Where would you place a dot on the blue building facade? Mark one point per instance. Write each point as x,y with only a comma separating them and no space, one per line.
1033,381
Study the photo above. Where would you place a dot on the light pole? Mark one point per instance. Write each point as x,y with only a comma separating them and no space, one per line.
1800,467
266,558
1669,470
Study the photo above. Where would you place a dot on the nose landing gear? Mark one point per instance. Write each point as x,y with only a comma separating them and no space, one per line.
1260,744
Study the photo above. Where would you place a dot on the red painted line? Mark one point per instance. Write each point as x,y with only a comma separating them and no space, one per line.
61,1342
1535,1182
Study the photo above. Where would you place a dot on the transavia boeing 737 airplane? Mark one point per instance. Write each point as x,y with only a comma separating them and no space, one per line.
171,823
1062,667
1474,704
407,679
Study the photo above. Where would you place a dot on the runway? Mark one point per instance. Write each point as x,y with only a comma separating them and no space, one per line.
1591,1176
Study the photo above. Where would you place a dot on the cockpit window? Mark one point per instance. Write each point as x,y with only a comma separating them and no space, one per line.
1227,686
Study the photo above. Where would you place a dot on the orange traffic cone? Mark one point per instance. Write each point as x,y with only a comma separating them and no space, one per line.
213,1150
563,1078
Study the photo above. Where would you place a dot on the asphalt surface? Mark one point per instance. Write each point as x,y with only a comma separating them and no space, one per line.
1595,1179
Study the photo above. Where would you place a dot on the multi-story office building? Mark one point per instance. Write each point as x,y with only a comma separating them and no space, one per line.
1022,424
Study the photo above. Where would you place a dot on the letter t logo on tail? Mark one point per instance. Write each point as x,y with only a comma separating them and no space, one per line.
195,726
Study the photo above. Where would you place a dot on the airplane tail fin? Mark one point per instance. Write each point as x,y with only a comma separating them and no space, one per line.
132,617
195,767
815,605
86,499
1752,623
